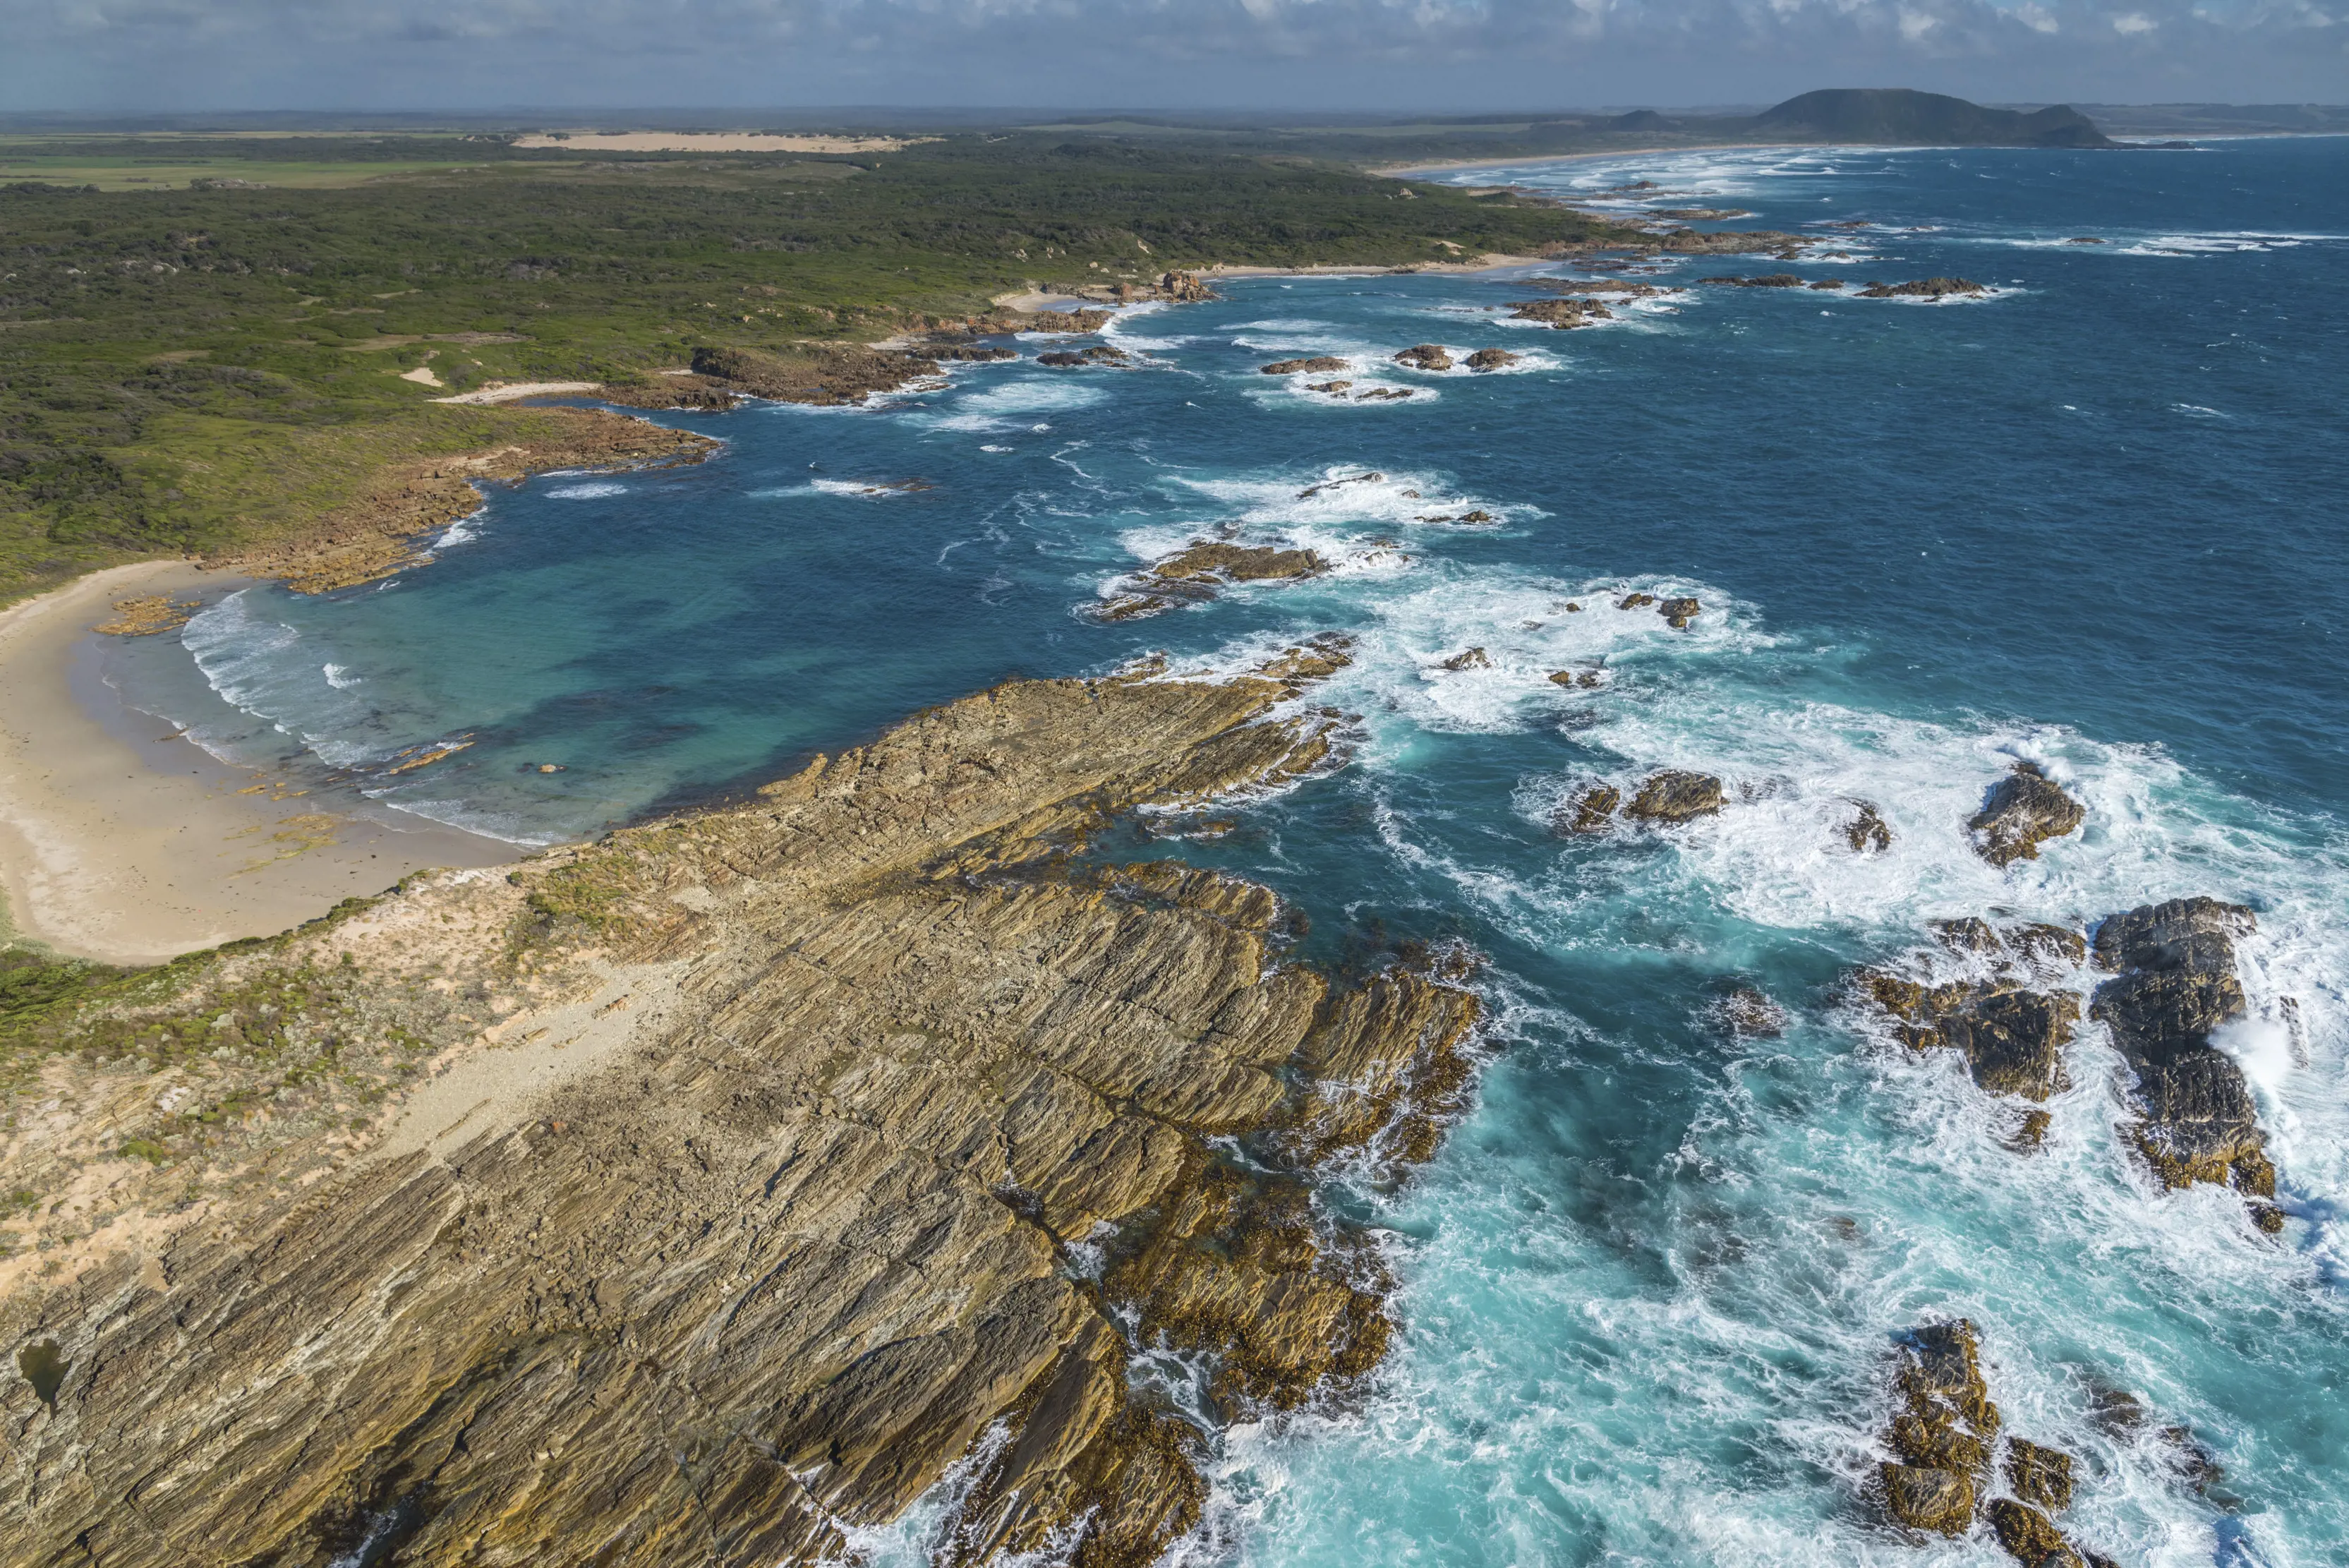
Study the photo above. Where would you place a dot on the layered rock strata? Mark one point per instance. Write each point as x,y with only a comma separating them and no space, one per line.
2174,985
737,1174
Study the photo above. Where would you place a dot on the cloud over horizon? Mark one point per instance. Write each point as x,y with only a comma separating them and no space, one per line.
168,56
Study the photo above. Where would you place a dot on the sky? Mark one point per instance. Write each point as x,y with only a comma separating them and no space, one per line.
1458,55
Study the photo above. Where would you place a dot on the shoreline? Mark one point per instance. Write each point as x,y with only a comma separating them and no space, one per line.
132,850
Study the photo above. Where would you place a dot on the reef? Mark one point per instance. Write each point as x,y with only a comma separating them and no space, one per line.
2173,985
1564,313
1922,289
1492,359
1773,280
702,1194
2023,811
1317,364
1425,356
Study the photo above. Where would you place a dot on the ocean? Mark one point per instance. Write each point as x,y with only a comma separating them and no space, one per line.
2096,519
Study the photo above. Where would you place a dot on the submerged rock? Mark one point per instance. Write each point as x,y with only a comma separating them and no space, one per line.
1673,797
1384,395
2175,982
1750,1015
2023,811
1471,659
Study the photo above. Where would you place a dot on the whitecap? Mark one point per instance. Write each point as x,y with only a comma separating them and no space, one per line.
586,492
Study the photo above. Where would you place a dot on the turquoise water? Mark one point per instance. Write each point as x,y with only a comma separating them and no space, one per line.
2095,520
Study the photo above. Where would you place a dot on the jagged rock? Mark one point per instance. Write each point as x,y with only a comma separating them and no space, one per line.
1065,321
1941,1502
1828,284
1773,280
2012,1040
1477,518
1867,832
1384,395
1752,1015
971,352
2023,811
1472,659
1940,1370
1310,491
1635,601
1425,356
2041,1477
1922,289
2031,1133
1673,797
1492,359
1588,812
1217,558
1678,613
1582,678
2028,1536
1730,242
2053,946
1563,313
1062,359
756,1263
2175,984
1329,386
1316,364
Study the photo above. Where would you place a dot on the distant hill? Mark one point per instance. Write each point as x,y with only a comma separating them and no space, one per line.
1899,115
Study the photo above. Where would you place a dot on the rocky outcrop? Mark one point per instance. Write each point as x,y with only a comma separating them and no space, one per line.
1730,242
826,375
724,1181
1425,356
1333,388
1946,1432
1099,354
147,615
1194,573
1563,313
1673,797
2173,984
1317,364
1383,395
1773,280
2023,811
2012,1036
1679,612
1943,1432
1468,658
1922,289
1184,288
1590,811
385,530
1492,359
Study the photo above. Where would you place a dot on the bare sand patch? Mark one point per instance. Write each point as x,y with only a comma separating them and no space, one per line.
715,141
522,390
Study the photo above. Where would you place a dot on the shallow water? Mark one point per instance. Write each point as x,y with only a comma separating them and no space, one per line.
2094,521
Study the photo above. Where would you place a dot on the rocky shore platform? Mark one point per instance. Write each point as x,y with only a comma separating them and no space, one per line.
703,1194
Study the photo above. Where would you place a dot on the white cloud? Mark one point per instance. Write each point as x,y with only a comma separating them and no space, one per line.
2130,23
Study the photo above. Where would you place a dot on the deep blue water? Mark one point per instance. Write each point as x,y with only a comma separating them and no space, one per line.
2096,520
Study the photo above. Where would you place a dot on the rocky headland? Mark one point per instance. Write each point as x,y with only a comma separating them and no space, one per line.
702,1194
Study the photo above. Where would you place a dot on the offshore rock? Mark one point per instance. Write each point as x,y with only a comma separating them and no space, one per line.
1425,356
2040,1475
1673,797
2012,1039
1942,1431
1867,832
2028,1536
827,376
1316,364
1562,313
1773,280
2023,811
1922,289
721,1186
1469,658
1492,359
2175,982
1588,812
1678,613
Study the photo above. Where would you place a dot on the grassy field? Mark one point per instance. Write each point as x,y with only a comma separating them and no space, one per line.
188,369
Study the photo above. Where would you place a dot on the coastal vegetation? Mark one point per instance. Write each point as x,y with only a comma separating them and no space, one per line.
215,367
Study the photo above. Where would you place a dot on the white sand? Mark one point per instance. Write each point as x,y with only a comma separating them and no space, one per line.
507,394
107,853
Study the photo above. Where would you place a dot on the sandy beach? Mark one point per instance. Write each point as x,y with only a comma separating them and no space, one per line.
122,843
